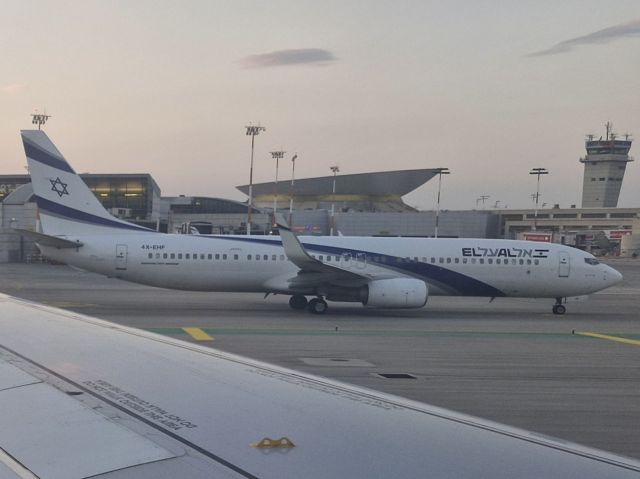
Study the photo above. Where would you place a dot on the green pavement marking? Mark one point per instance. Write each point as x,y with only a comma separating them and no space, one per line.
69,304
352,332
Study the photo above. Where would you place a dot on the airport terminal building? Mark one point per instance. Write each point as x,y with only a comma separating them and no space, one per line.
366,204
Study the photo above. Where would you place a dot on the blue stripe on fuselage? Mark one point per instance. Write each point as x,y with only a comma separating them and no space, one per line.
77,215
35,153
463,284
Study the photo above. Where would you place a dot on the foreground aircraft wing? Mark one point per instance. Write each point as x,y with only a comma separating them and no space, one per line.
81,397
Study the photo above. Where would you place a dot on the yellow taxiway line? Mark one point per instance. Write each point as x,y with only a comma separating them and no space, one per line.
635,342
198,334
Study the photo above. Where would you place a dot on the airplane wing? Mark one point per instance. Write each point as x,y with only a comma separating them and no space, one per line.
48,240
81,397
298,255
312,271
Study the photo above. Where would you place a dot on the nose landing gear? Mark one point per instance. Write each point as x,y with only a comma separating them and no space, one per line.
559,308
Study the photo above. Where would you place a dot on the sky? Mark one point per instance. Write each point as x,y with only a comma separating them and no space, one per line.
488,89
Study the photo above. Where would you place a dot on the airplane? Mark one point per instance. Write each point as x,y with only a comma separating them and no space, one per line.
378,272
82,397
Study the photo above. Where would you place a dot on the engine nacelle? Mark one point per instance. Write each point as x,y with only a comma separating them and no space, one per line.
395,293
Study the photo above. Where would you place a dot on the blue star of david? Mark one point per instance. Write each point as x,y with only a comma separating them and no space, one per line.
59,187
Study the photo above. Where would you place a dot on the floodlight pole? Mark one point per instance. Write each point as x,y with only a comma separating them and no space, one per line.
440,172
251,131
335,170
537,172
39,119
276,155
482,198
293,178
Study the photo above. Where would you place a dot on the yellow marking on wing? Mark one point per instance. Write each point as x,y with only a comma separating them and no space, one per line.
198,334
618,339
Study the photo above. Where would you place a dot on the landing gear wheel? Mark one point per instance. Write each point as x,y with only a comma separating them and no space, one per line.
317,306
559,309
297,301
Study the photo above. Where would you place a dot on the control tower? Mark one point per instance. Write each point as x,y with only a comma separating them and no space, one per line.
604,168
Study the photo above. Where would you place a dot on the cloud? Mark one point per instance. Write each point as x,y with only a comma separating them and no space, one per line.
300,56
624,30
13,88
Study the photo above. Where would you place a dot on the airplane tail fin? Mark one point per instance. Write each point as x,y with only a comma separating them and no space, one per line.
66,205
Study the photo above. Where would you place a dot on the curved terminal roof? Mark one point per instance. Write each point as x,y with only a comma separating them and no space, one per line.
383,183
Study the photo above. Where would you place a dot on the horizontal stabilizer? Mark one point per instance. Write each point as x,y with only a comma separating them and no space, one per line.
48,240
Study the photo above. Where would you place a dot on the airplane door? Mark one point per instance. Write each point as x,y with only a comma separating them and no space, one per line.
564,266
345,260
121,257
361,260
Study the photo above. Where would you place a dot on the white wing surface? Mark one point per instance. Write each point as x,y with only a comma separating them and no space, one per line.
81,397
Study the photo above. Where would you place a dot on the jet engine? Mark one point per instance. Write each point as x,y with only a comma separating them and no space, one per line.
395,293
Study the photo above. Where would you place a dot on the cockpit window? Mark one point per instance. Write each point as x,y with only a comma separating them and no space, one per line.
591,261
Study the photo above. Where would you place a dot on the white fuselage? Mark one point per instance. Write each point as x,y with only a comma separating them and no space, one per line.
467,267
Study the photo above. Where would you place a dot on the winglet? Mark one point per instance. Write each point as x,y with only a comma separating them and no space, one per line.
293,248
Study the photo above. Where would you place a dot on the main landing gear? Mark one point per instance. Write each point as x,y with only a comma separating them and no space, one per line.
559,308
315,306
297,301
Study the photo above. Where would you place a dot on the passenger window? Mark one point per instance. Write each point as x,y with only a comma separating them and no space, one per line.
457,260
257,257
441,260
433,260
165,255
209,256
195,255
274,257
217,255
481,260
266,257
173,256
490,261
179,255
521,262
321,258
235,256
424,260
528,261
224,256
498,261
513,262
464,260
536,262
202,256
150,255
448,260
248,256
473,261
415,258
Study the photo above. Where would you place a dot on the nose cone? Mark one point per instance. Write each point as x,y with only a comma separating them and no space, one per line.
613,276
